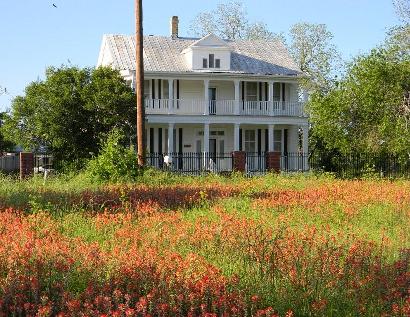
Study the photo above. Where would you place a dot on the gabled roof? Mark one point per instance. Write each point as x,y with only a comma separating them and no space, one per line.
163,54
211,40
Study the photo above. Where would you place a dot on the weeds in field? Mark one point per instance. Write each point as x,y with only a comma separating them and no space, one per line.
274,246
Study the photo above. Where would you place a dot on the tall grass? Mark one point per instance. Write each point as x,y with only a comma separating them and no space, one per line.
205,246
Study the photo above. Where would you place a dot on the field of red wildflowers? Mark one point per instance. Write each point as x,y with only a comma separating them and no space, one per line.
272,246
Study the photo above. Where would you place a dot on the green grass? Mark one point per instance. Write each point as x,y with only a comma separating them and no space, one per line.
384,223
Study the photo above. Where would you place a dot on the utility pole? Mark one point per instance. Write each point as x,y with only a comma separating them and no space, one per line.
139,83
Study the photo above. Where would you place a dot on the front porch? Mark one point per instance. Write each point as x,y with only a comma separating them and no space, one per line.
209,147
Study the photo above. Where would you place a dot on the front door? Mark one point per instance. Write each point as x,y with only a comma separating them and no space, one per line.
212,101
212,150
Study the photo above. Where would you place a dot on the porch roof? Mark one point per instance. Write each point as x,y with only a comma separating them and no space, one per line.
163,54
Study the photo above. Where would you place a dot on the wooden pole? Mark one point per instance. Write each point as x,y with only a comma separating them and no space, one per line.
139,83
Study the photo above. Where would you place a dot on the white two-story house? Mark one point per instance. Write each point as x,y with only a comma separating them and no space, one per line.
215,96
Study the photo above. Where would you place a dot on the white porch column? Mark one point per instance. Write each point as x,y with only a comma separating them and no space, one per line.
170,96
270,97
206,145
270,91
305,146
156,90
293,139
271,129
171,127
206,96
237,97
236,137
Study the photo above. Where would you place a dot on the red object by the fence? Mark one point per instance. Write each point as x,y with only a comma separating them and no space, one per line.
26,165
239,161
273,161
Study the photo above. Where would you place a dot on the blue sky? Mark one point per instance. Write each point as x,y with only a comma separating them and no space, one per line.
34,34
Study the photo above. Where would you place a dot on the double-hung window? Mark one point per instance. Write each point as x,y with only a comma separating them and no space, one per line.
250,141
211,60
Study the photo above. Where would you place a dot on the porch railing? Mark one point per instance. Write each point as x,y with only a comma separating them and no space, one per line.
157,106
224,107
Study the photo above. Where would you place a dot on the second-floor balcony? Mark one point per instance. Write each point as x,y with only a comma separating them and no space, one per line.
225,107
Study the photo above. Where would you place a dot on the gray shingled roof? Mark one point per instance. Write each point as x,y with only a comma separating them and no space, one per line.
163,54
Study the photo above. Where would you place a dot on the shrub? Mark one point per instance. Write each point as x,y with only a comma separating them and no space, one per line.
115,163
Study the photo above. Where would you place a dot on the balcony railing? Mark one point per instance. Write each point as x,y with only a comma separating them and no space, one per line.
225,107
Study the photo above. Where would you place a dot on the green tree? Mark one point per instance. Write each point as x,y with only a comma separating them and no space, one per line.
116,162
398,40
71,111
5,145
369,110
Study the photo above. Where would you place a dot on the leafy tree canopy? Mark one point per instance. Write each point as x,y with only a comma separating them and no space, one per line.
369,110
71,111
398,40
5,145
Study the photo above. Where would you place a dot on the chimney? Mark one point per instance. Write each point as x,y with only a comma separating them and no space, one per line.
174,27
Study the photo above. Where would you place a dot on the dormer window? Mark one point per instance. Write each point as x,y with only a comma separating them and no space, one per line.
209,53
211,60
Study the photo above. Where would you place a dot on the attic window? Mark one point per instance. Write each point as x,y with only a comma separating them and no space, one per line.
211,60
204,63
217,63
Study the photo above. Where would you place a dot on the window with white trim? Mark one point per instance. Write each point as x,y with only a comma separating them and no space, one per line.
211,60
250,141
277,140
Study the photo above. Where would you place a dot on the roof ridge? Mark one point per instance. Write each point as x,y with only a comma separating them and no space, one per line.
162,54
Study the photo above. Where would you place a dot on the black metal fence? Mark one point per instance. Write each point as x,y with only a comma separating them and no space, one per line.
362,165
191,163
255,163
198,163
295,162
342,166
